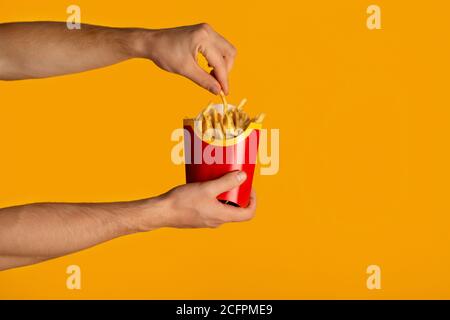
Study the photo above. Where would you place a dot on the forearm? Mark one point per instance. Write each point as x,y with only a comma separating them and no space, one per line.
37,232
44,49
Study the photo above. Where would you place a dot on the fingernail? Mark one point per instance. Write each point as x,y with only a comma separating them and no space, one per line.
241,176
214,90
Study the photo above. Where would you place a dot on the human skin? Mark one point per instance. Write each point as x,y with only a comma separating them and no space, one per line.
41,231
43,49
36,232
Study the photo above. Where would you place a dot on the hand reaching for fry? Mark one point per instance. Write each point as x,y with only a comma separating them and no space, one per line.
175,50
195,205
60,51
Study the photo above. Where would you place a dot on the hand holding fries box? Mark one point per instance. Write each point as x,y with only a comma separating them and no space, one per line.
221,139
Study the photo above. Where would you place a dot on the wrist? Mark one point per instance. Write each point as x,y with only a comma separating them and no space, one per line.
141,41
152,213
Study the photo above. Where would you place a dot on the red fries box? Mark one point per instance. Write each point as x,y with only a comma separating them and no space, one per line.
210,159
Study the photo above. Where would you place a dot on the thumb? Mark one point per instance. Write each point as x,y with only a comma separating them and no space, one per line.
226,182
194,72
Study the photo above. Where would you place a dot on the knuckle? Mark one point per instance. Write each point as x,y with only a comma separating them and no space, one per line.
202,31
204,26
233,51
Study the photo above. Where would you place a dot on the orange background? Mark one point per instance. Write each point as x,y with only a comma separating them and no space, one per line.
364,174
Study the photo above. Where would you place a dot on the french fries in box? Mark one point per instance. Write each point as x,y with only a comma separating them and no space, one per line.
221,139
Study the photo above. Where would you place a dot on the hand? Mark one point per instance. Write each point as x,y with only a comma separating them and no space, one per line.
175,50
195,205
40,231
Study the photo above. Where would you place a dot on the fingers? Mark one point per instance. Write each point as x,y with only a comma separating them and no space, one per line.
220,55
241,214
228,51
202,78
217,61
229,61
226,182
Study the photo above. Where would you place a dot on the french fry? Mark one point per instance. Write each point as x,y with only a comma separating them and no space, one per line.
236,118
218,130
208,128
241,104
207,110
243,121
229,125
224,101
224,123
203,127
260,117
